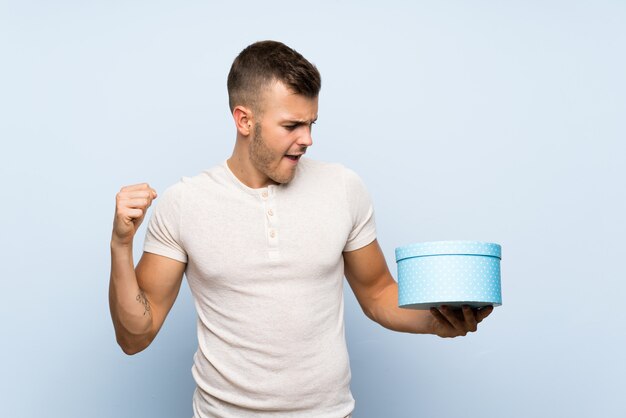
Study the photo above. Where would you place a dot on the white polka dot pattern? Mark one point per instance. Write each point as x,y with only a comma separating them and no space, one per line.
450,272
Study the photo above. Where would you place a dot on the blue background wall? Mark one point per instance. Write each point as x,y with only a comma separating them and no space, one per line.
484,120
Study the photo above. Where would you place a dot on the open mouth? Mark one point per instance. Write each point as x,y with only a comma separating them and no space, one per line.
294,157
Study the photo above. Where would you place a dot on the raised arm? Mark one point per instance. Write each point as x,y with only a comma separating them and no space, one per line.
377,292
139,298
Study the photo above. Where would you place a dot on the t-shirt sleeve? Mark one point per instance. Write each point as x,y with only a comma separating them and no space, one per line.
164,228
361,211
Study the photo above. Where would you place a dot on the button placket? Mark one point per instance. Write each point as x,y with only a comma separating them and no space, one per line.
271,221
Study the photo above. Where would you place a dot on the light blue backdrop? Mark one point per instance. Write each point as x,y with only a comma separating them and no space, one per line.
484,120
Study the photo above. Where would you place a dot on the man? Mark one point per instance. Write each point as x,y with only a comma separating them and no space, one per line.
265,240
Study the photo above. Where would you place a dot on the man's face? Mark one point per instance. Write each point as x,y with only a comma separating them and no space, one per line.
283,134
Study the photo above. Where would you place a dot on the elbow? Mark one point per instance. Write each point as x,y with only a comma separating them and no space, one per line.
369,313
133,347
377,307
128,350
379,319
373,314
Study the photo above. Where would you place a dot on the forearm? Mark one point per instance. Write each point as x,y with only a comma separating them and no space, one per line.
130,309
386,312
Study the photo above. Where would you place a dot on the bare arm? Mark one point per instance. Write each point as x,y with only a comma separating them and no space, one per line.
139,298
377,292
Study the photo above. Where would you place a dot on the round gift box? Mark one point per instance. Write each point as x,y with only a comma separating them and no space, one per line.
452,273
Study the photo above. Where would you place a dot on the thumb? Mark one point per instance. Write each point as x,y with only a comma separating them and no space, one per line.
483,313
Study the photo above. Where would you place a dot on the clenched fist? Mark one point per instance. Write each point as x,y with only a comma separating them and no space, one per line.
132,202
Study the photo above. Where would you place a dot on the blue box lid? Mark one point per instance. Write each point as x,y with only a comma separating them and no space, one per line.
422,249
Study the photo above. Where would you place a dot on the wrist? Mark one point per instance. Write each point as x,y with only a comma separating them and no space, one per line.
117,245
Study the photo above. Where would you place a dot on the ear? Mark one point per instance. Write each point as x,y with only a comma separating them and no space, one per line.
244,120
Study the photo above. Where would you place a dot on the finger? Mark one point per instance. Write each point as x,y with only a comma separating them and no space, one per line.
442,319
139,186
484,313
141,194
451,316
137,203
470,319
128,217
147,194
123,197
133,214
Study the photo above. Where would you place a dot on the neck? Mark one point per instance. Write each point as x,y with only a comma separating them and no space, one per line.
242,167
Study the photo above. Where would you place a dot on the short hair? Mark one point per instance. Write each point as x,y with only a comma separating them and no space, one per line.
265,62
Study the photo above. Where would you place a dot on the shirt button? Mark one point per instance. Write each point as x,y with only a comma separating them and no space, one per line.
272,234
270,212
264,194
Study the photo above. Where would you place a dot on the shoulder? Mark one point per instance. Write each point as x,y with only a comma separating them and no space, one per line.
188,187
325,169
328,180
336,173
201,180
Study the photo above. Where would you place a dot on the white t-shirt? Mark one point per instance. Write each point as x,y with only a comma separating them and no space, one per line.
265,268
